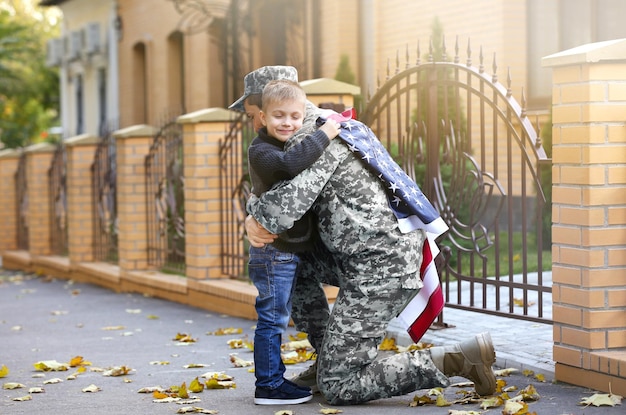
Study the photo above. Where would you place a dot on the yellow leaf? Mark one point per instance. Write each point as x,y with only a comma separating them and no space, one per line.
602,399
514,408
13,385
36,389
540,377
3,371
419,400
284,412
299,336
219,384
493,402
330,411
296,345
182,391
231,330
196,386
441,401
388,344
235,343
152,317
112,328
76,361
50,365
504,372
117,371
528,373
500,384
529,393
184,338
157,394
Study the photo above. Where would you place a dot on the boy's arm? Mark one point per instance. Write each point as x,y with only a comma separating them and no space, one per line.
278,209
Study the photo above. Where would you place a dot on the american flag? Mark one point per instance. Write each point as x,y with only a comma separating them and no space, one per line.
413,211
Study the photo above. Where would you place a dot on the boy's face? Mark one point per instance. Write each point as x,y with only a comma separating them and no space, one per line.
253,113
282,119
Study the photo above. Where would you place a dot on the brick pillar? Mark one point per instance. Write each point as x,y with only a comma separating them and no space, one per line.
9,160
589,215
202,132
38,161
132,146
80,156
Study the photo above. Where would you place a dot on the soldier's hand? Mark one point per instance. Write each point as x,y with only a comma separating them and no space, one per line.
257,234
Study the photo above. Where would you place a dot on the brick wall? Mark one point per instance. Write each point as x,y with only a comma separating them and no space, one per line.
589,215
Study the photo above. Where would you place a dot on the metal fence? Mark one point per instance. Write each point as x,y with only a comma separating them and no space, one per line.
57,186
165,200
104,191
21,207
471,147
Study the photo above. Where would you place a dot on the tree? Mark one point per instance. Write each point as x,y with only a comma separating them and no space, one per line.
28,89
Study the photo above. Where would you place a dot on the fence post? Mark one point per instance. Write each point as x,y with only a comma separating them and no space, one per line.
9,160
38,160
132,146
202,132
589,215
80,155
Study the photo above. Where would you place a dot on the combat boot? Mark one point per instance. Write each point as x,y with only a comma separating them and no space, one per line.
471,359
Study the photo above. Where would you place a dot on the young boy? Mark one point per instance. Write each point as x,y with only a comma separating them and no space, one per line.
272,268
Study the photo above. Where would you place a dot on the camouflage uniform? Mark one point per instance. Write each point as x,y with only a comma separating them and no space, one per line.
360,250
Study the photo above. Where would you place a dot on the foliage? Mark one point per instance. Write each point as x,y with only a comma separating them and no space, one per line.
546,185
28,89
344,71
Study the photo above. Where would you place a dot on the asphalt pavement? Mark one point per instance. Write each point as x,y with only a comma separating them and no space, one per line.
152,343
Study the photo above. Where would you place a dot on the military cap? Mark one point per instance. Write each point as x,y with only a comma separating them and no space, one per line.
255,81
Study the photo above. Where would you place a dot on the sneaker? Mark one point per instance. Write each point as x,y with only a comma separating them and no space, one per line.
308,378
285,394
295,385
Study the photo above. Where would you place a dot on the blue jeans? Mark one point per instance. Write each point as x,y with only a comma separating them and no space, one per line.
273,273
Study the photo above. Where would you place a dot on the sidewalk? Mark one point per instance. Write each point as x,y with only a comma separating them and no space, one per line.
43,320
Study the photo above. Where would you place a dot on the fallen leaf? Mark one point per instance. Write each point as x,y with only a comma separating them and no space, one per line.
283,412
231,330
52,381
441,401
184,338
150,389
492,402
117,371
152,317
235,343
36,390
4,371
514,408
50,365
13,385
219,384
196,365
529,393
330,411
239,362
504,372
420,400
133,311
388,344
195,410
167,399
455,412
602,399
196,386
162,363
92,388
112,328
23,398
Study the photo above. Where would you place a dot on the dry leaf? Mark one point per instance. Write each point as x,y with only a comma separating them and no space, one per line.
219,384
150,389
112,328
284,412
196,365
36,389
330,411
231,330
441,401
3,371
296,345
388,344
455,412
13,385
235,343
493,402
602,399
117,371
184,338
239,362
52,381
514,408
195,410
504,372
133,311
167,399
92,388
529,393
196,386
162,363
50,365
23,398
420,400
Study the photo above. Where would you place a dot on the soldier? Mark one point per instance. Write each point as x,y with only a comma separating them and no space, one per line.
360,249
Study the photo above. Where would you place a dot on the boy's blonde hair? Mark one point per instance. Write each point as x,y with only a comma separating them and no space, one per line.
282,90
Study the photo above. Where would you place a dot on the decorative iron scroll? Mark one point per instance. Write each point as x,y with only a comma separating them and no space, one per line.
104,184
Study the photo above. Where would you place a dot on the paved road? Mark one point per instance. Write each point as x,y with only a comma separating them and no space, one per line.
43,320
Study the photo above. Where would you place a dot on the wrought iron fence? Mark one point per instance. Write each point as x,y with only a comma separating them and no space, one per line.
21,207
57,187
470,145
104,191
165,200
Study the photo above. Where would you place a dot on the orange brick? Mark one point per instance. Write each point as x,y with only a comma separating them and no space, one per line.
617,175
582,257
604,196
582,297
605,277
567,195
593,216
598,319
567,355
566,235
567,315
617,257
604,236
617,133
583,338
604,154
567,154
616,339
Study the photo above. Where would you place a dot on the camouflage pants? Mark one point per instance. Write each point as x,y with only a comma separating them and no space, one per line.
350,370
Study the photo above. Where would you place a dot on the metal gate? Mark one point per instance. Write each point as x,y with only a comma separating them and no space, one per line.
471,147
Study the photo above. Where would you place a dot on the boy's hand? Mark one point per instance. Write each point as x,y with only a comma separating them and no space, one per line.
257,234
331,128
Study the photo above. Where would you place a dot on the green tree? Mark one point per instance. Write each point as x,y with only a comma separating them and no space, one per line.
344,72
28,89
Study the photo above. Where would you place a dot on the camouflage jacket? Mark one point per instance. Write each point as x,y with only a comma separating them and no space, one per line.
355,221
